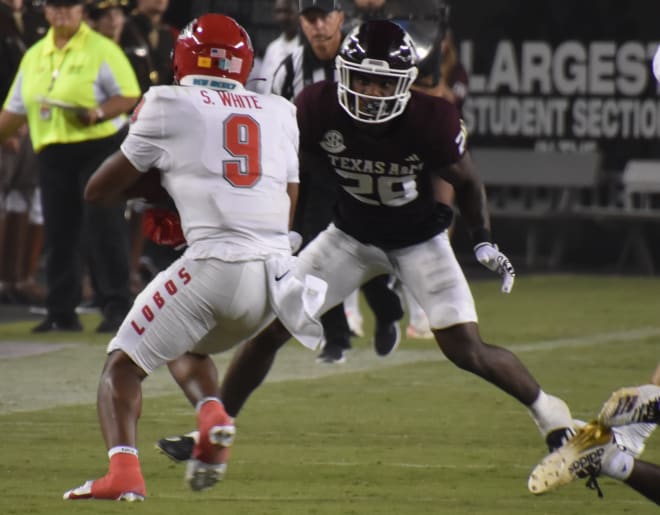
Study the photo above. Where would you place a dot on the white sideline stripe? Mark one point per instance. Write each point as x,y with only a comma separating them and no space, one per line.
72,374
403,356
634,334
16,349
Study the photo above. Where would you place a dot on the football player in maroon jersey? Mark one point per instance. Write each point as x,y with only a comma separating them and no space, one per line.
385,143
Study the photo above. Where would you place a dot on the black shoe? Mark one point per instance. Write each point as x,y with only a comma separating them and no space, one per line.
557,438
386,338
331,354
88,306
108,325
113,317
58,323
177,448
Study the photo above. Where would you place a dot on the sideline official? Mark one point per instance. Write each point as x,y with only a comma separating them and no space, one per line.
73,88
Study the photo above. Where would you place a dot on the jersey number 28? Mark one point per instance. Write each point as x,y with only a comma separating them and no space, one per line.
390,191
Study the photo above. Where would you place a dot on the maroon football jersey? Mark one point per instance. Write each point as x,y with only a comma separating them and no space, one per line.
385,194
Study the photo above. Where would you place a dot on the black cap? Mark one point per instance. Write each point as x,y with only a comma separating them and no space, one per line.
322,5
106,4
97,8
102,5
57,3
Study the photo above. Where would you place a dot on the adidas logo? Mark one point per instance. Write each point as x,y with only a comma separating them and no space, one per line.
412,158
587,463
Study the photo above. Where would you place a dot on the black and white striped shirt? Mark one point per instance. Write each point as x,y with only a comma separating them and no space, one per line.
299,69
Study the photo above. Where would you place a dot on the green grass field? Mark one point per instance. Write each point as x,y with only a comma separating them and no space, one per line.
407,434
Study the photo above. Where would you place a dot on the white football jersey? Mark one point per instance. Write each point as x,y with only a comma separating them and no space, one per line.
225,158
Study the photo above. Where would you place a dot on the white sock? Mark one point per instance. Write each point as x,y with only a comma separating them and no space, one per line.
550,413
204,401
619,465
352,304
539,404
124,449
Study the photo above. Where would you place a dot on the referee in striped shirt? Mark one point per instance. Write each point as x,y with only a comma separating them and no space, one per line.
321,22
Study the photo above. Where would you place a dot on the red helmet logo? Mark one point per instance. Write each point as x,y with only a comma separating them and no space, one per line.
213,45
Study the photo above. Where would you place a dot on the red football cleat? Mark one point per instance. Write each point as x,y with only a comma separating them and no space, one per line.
210,455
124,482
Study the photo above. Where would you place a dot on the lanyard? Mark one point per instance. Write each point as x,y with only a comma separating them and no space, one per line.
45,110
56,71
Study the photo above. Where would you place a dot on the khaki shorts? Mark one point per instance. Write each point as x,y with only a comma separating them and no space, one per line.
429,270
195,305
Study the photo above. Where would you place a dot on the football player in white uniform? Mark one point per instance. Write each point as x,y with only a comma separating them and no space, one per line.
228,157
386,144
608,446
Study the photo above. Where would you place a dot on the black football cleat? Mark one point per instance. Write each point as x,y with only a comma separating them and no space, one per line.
178,448
386,338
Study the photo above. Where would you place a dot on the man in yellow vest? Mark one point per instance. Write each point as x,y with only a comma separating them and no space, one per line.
73,88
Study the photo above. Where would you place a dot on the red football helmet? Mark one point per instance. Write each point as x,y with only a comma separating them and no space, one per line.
212,45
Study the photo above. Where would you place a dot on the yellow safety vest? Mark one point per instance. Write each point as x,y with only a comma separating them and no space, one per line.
50,81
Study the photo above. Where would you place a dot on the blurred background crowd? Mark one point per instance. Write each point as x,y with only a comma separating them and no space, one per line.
547,77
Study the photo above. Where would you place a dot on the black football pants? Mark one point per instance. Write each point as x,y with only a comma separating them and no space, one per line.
77,233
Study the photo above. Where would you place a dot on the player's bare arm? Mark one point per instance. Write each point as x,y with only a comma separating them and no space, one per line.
470,195
295,239
471,200
108,184
292,189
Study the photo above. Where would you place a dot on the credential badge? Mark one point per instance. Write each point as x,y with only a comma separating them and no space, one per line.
333,142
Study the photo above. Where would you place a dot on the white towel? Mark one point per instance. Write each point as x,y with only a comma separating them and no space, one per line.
296,303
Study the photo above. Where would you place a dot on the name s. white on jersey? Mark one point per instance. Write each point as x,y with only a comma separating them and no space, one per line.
239,101
225,158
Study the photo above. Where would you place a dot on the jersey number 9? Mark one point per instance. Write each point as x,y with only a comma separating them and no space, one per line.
242,140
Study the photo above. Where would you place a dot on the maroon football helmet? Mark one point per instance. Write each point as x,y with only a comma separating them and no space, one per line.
213,45
378,48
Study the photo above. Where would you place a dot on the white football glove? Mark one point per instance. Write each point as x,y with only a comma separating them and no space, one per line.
295,241
489,255
138,204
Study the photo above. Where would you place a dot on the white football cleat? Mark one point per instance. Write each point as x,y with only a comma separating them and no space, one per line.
355,323
632,405
582,456
202,476
419,328
210,455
